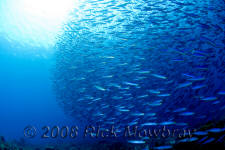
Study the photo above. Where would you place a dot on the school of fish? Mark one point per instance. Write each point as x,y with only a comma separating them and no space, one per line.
143,62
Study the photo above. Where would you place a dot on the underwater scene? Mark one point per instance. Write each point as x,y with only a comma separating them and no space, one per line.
112,75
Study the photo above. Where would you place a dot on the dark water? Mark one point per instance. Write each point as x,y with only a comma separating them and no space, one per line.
26,95
123,63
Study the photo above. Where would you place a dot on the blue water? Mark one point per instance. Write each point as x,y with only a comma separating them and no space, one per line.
26,94
146,63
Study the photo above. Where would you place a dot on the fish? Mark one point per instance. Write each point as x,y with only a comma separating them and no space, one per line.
149,124
137,114
159,76
183,85
82,78
109,76
216,102
221,138
203,139
182,124
196,79
155,104
164,95
115,85
142,96
221,93
123,110
200,133
154,91
131,84
150,114
187,75
216,130
179,109
100,88
133,123
187,114
136,142
168,123
198,87
163,147
209,98
144,72
189,139
209,140
117,97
